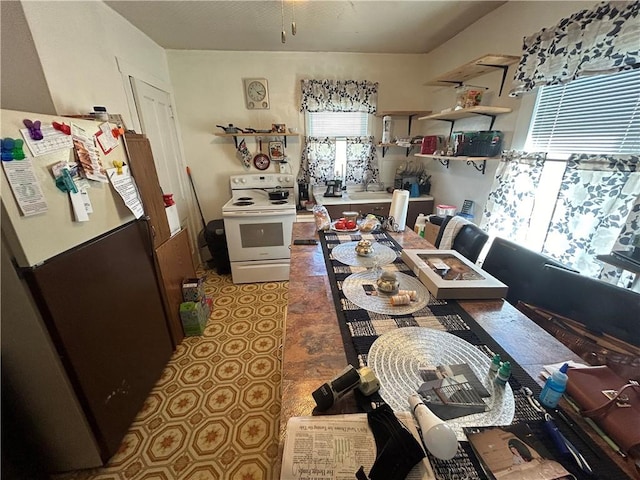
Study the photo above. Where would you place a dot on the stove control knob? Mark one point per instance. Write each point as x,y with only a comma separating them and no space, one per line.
243,180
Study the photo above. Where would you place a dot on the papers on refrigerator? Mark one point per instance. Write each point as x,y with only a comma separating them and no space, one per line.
333,447
25,186
126,187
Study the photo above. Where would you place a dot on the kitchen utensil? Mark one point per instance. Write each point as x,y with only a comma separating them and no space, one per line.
261,161
230,129
278,194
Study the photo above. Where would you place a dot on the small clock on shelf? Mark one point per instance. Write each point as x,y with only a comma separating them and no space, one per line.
256,93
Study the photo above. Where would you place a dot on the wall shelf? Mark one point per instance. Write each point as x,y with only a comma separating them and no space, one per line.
400,113
453,115
270,134
475,68
479,163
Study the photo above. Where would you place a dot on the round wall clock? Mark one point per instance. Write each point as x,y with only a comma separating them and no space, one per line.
261,161
256,93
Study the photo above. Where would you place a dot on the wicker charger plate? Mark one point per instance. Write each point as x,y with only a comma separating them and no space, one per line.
353,289
396,357
346,253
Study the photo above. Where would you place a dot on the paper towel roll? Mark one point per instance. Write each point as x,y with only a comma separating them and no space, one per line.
398,210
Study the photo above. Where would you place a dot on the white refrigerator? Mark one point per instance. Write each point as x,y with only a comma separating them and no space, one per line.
84,330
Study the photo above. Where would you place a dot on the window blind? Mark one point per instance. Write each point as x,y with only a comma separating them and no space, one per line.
337,124
590,115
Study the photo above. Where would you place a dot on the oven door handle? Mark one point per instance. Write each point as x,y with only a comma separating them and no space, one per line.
261,213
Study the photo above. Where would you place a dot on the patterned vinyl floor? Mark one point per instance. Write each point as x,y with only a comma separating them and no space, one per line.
214,412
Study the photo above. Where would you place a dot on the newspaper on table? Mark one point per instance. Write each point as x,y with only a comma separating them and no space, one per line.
333,447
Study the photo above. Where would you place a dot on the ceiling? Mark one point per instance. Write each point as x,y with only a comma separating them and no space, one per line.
368,26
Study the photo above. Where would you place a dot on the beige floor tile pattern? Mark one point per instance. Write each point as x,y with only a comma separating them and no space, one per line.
214,412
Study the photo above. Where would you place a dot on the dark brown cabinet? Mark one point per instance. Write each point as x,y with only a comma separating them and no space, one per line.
104,312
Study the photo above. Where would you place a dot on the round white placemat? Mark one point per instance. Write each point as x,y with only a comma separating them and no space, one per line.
397,356
352,287
346,253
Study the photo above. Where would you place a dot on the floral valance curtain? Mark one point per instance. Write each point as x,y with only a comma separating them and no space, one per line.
596,196
508,209
339,96
600,40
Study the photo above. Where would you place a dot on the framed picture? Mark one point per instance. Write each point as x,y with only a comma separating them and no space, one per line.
447,274
279,127
276,151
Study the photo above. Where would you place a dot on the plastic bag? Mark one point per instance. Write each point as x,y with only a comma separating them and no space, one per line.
322,218
369,223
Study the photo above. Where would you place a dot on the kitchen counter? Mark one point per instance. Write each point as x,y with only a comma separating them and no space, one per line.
313,351
377,203
363,198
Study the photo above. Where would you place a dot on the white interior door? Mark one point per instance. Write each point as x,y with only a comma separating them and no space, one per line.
156,118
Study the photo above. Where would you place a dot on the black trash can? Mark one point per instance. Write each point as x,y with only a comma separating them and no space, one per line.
217,243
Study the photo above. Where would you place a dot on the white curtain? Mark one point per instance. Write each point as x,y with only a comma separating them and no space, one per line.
597,194
508,209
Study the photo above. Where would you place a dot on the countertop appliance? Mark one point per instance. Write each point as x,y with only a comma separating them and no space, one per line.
84,331
334,188
258,229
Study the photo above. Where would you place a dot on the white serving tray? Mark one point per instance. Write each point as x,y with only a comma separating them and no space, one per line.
462,279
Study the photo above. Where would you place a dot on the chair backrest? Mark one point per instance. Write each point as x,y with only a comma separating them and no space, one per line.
600,306
517,267
469,241
443,224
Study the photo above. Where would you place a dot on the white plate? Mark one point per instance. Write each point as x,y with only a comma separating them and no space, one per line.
346,230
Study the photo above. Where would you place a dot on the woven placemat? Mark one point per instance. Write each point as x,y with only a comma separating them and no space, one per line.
360,328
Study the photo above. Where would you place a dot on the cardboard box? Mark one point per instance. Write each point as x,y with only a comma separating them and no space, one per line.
449,275
431,233
192,289
193,318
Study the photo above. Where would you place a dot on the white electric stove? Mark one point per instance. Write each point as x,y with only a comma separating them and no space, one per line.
258,228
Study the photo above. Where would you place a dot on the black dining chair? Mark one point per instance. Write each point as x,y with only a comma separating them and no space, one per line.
469,240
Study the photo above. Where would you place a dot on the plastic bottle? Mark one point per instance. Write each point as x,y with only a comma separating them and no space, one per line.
495,364
554,387
503,374
420,225
387,125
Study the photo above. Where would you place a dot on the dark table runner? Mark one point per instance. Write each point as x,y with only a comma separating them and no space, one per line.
360,328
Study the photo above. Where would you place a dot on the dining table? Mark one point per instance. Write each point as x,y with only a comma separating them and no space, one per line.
313,350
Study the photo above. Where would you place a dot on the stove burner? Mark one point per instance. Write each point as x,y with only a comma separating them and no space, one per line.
242,204
279,202
245,198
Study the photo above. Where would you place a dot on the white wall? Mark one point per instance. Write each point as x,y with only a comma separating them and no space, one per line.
208,89
78,43
500,32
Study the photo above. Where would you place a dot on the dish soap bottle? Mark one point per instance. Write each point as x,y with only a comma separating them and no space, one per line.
420,225
554,387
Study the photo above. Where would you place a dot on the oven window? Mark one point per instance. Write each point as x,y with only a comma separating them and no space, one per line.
261,235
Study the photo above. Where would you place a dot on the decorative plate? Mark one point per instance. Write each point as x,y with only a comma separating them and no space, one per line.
397,356
360,288
346,253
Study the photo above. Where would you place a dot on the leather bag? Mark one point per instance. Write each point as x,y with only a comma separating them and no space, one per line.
617,412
